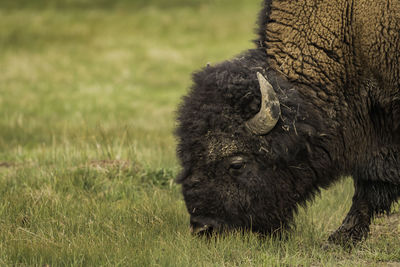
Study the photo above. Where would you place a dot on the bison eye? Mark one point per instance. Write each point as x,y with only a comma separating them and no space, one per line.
236,164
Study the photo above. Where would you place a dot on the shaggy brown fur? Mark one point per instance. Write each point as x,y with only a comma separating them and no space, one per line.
326,41
335,68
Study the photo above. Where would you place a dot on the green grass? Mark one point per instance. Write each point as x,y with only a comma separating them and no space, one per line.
88,91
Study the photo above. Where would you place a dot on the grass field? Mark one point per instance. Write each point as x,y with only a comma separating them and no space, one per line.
88,91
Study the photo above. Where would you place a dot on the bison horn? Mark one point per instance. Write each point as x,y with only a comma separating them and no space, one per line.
265,120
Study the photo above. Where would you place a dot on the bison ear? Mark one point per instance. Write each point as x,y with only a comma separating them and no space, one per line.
265,120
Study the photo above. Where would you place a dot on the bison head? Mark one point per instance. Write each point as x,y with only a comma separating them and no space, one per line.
244,146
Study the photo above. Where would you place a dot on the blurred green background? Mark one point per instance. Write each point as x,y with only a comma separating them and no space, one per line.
76,71
88,94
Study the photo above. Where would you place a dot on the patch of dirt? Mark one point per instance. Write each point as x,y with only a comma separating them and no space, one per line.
386,225
110,164
6,164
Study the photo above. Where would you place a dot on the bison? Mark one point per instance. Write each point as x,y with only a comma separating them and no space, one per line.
317,99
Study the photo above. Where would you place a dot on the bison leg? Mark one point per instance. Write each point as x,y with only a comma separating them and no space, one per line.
355,226
370,198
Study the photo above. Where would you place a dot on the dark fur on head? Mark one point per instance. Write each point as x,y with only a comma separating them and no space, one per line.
211,131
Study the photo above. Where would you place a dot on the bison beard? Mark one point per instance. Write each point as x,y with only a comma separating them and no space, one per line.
252,151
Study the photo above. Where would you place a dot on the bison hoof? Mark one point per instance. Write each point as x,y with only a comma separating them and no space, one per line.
349,236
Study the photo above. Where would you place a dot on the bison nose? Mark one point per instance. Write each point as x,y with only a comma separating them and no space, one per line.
202,227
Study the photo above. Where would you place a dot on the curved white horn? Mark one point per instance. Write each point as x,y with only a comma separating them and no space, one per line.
265,120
